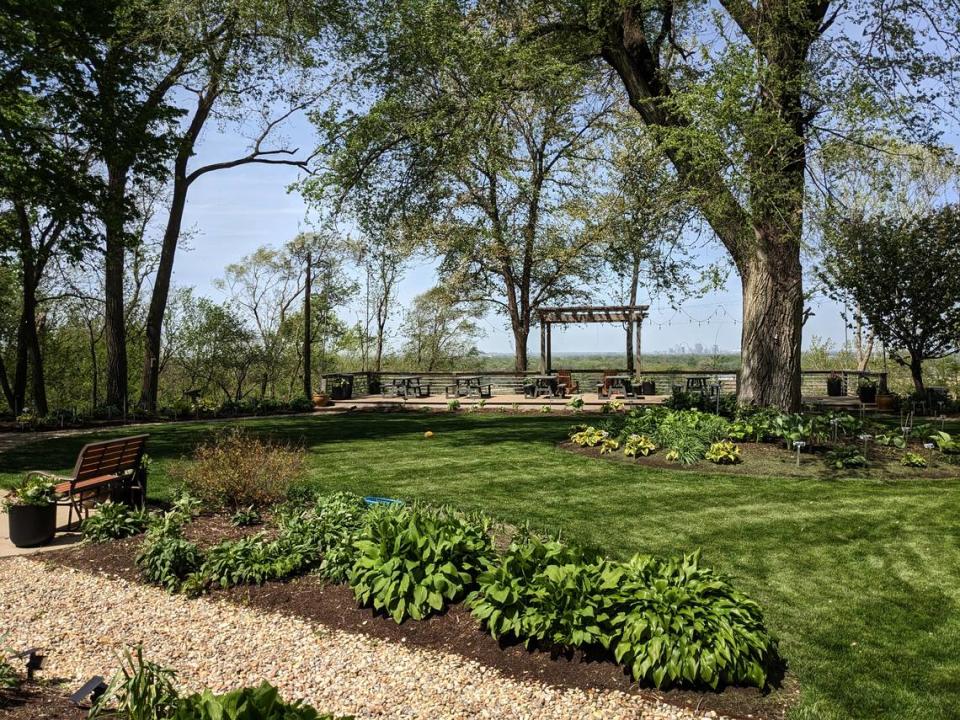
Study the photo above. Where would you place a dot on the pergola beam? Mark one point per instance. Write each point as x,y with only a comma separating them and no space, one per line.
582,314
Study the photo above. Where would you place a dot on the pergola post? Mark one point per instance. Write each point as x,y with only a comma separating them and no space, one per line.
549,356
637,331
543,346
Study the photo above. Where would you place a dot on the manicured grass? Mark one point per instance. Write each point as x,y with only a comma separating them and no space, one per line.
859,578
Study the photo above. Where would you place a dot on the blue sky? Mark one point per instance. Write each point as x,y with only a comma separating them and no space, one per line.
233,212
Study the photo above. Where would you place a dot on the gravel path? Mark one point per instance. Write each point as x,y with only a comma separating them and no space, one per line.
222,646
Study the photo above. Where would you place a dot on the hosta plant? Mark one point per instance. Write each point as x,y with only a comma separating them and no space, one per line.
263,703
845,457
677,622
609,445
589,437
543,593
723,453
413,562
246,517
113,521
912,459
638,445
167,559
945,442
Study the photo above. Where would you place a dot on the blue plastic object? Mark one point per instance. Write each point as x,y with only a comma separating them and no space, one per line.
381,501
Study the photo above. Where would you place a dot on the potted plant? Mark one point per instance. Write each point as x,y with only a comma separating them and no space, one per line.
867,390
32,512
321,399
834,385
648,387
341,388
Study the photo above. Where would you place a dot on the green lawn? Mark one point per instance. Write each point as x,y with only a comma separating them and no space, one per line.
860,579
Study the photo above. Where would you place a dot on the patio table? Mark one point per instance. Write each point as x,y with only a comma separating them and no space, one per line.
543,386
404,386
623,383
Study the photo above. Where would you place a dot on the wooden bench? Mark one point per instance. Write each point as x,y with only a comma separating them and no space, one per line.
115,465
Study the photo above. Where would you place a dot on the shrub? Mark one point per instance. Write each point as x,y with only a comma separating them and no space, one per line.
637,445
912,459
413,562
543,593
453,405
140,690
754,423
688,434
678,622
332,525
113,521
576,403
301,405
166,558
723,453
239,470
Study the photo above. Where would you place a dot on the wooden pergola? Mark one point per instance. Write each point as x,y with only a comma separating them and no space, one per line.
582,314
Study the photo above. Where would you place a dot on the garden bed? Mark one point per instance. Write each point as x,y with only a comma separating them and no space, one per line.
454,631
33,700
773,460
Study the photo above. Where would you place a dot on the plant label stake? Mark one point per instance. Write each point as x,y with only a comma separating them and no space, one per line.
865,439
836,428
928,446
799,445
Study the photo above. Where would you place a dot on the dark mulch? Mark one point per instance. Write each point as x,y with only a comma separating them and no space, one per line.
774,460
455,631
39,701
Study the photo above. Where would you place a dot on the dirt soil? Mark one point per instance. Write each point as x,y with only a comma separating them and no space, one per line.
455,631
40,701
773,460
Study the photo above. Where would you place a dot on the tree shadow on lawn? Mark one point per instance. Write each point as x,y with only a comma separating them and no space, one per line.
173,441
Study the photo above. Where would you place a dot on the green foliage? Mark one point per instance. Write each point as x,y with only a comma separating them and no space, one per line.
113,521
945,442
576,403
687,434
332,525
637,445
141,690
723,452
166,558
453,405
589,437
545,594
677,622
845,457
912,459
889,439
33,491
668,621
251,561
754,424
413,561
260,703
246,517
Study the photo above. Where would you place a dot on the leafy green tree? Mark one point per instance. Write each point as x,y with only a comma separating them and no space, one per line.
496,179
903,275
439,332
737,95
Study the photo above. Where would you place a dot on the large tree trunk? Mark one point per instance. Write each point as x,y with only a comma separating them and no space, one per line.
115,327
521,334
632,300
153,329
307,322
916,372
5,385
772,322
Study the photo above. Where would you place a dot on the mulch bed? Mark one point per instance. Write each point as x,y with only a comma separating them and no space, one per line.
455,631
36,701
763,459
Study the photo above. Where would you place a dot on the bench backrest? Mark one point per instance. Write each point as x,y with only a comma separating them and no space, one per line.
110,457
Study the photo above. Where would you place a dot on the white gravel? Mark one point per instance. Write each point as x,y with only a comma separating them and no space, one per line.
84,621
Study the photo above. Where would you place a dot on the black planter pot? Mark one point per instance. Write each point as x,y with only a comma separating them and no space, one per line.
32,525
341,392
868,395
834,387
648,387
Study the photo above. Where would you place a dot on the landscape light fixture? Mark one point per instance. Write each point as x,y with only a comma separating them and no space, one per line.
33,659
799,445
93,689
